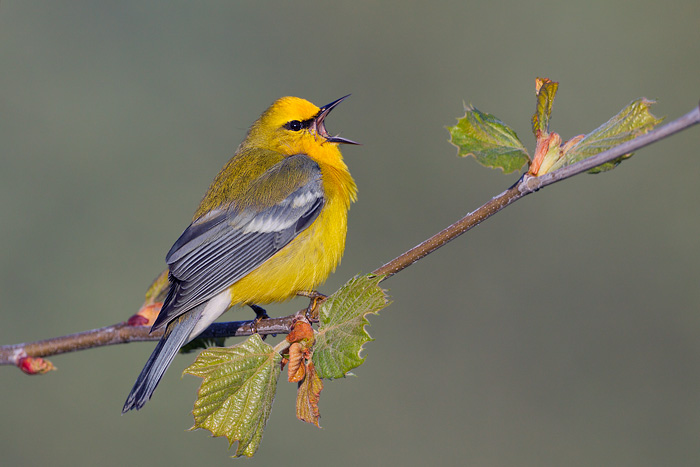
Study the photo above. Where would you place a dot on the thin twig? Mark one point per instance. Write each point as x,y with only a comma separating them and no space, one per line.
124,333
529,184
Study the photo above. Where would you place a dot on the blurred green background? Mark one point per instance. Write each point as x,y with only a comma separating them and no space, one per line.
563,331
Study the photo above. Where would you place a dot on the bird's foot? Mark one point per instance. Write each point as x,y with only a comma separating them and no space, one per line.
260,314
315,301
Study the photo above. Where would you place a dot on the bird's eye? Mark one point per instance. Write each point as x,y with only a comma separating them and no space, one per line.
294,125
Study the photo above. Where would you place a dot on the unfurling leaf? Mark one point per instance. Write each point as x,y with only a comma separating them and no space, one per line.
546,90
308,395
490,141
158,289
547,152
342,333
301,370
236,394
153,302
295,367
630,122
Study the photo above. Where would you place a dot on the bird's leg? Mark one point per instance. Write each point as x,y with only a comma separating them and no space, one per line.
260,314
315,301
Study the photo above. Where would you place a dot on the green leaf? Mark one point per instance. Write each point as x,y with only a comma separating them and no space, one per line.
235,397
491,142
342,333
630,122
546,90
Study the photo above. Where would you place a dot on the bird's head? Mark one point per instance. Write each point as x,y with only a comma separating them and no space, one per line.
292,125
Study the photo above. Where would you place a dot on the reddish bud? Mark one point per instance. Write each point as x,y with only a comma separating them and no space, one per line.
146,315
137,320
35,365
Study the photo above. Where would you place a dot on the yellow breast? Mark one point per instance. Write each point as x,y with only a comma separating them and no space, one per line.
307,260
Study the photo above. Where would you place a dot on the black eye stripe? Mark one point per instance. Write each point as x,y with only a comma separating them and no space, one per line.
296,125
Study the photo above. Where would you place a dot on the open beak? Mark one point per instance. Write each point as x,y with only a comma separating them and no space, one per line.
321,127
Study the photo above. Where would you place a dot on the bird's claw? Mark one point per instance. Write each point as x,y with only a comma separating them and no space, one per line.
315,301
260,314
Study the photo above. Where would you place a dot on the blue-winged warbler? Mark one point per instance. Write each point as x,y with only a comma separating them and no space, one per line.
271,225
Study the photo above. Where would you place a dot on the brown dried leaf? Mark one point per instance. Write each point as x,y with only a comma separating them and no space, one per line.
308,395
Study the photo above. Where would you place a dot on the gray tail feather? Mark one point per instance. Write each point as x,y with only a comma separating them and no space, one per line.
175,336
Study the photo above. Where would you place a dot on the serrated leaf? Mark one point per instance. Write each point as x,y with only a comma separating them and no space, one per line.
342,333
630,122
308,395
491,142
545,90
236,395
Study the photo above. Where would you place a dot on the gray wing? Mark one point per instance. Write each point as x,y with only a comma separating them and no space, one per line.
217,250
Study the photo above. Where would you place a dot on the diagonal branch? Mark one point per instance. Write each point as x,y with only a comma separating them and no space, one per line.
529,184
123,333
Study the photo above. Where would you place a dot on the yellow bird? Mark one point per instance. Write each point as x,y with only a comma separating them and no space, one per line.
272,225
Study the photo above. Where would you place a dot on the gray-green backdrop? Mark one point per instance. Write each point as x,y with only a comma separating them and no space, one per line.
564,331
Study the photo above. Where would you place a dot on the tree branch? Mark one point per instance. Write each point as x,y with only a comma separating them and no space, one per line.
528,184
123,332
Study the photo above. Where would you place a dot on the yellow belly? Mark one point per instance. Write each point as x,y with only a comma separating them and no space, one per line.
301,265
